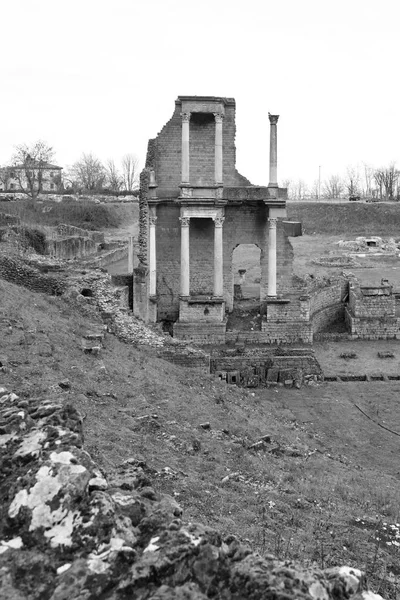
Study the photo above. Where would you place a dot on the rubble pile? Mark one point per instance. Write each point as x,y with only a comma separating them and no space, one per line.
370,244
125,326
68,532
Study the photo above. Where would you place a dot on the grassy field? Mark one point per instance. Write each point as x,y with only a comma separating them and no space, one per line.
325,489
321,490
80,214
351,219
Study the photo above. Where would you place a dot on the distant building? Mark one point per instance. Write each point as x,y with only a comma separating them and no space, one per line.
16,178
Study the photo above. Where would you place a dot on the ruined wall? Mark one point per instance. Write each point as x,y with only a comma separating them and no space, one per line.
255,367
166,154
16,271
327,304
246,224
64,230
71,247
201,256
371,314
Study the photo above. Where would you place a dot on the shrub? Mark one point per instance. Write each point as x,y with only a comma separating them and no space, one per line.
34,238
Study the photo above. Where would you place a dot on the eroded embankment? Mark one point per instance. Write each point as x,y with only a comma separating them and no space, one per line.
66,532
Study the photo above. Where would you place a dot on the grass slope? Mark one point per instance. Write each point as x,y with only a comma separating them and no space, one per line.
322,489
352,219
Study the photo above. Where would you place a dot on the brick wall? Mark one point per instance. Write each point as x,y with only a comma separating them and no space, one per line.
201,311
199,362
201,149
327,304
200,333
201,256
246,224
166,152
168,243
372,328
260,361
371,315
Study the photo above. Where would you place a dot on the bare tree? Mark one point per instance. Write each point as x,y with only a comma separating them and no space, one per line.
88,174
386,179
28,166
333,187
368,177
6,176
352,181
299,189
114,178
287,183
130,171
314,190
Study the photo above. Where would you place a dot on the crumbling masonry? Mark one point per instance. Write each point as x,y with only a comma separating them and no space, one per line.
195,209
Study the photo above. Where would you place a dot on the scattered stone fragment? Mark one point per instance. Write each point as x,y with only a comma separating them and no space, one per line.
65,384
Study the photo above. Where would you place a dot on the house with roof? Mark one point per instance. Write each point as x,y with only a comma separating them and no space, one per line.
36,176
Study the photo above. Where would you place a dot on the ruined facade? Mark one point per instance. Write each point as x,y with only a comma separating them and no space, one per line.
195,209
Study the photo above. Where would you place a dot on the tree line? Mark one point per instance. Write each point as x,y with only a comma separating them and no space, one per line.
32,170
362,181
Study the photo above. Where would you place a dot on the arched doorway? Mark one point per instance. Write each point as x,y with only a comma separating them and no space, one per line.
246,276
246,269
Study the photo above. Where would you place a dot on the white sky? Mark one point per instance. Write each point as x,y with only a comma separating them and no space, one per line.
102,76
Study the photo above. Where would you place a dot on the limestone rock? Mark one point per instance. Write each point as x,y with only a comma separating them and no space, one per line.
67,533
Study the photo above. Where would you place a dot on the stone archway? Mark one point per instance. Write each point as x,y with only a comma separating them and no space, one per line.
246,270
246,280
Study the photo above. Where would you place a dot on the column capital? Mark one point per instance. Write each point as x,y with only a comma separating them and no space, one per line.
152,220
273,119
185,221
219,117
218,221
272,222
185,117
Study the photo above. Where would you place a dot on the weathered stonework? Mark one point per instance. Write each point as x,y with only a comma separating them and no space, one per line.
371,312
67,532
204,210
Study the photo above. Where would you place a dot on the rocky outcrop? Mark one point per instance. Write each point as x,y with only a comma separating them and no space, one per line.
68,533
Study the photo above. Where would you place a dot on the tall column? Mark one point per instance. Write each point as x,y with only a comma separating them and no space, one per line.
273,151
272,257
185,147
218,257
219,117
130,254
152,255
185,264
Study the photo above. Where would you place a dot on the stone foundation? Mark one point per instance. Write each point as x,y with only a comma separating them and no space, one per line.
202,333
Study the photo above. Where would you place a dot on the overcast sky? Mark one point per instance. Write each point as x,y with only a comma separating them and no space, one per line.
101,76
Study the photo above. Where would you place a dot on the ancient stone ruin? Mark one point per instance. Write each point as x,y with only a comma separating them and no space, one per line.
67,533
195,210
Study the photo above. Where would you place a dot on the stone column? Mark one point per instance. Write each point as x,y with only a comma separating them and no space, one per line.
185,147
185,263
219,117
152,255
273,151
272,257
218,257
130,254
